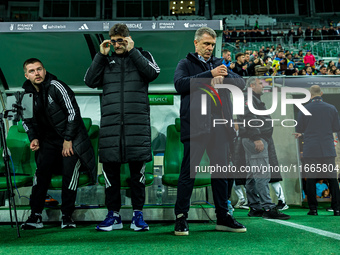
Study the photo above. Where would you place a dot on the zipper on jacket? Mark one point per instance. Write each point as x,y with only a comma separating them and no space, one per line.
122,133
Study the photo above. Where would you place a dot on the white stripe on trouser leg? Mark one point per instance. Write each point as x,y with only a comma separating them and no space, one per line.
35,178
142,171
107,182
74,181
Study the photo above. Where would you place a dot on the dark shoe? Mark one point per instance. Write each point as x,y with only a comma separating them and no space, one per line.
274,213
336,213
34,221
229,224
282,206
67,222
312,212
255,212
181,225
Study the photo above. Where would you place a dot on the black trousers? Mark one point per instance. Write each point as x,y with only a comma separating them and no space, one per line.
217,146
111,173
332,180
50,161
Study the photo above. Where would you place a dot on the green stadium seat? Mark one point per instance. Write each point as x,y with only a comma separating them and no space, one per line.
22,157
125,175
173,157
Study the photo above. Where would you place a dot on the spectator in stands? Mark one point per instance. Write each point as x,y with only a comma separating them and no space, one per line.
320,187
321,63
267,35
241,34
291,35
318,149
258,35
299,33
323,70
332,33
234,35
302,72
226,37
253,56
247,35
330,64
308,34
259,151
197,137
337,72
316,34
59,139
245,44
280,62
338,25
271,53
124,76
338,65
290,69
227,59
266,51
309,71
256,24
324,33
333,69
309,59
289,57
240,67
300,54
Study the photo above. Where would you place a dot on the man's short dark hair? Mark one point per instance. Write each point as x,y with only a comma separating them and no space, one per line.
119,29
322,67
31,61
239,55
225,51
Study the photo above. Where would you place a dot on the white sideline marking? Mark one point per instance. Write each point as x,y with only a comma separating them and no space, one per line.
309,229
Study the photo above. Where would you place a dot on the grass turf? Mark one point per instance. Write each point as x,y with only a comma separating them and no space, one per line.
262,237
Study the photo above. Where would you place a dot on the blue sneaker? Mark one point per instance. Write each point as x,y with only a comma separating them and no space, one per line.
111,222
138,224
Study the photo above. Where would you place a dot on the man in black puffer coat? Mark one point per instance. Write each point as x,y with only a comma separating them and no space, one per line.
125,133
58,135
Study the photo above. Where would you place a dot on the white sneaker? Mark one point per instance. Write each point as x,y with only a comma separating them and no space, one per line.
241,204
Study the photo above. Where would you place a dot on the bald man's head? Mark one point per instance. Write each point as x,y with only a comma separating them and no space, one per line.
315,91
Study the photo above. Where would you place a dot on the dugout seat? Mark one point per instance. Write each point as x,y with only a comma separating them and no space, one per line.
22,158
173,157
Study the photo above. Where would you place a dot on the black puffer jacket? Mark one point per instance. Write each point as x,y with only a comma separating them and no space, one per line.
125,133
64,115
189,77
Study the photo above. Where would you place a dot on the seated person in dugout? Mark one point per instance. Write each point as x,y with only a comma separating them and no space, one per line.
59,138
